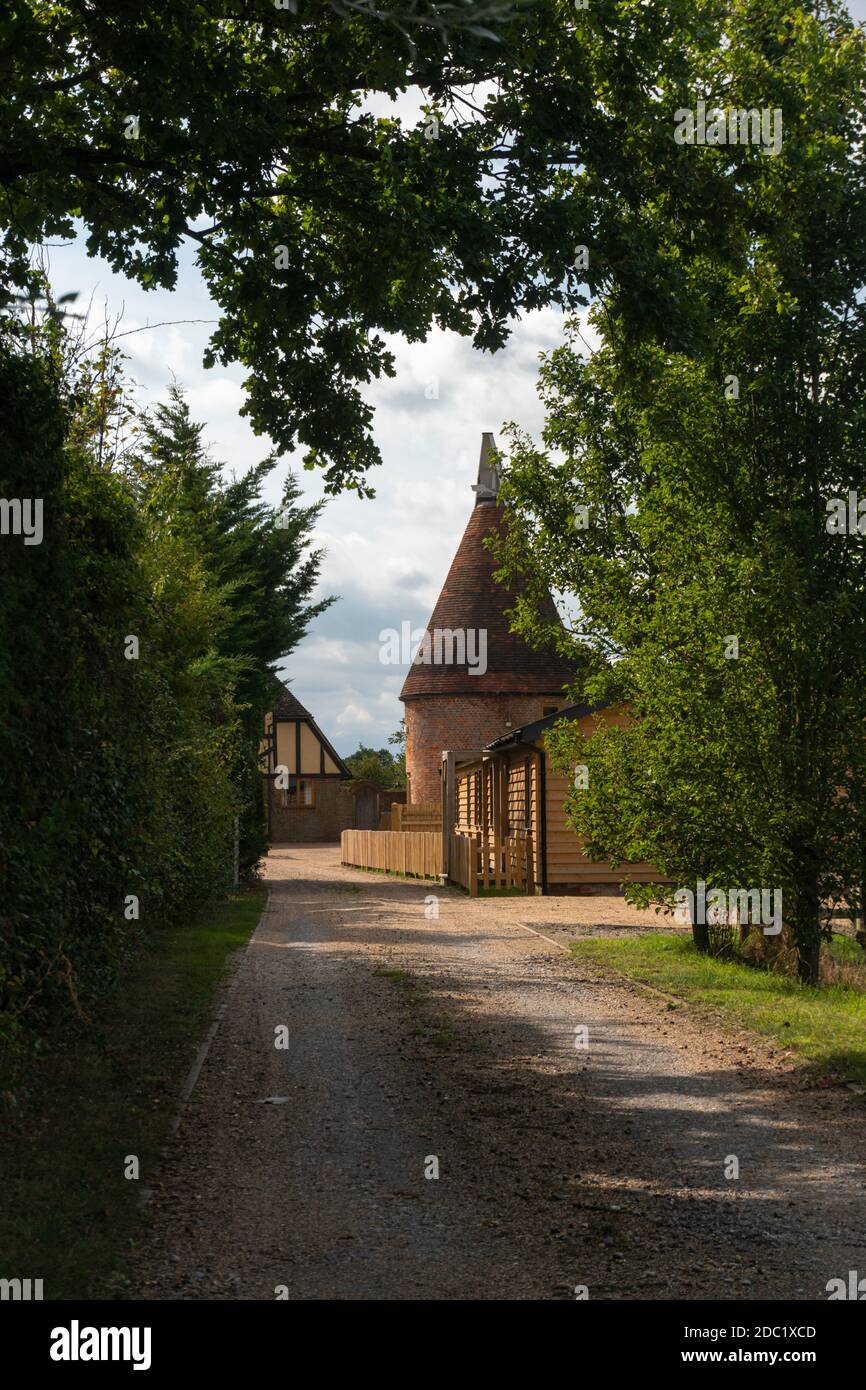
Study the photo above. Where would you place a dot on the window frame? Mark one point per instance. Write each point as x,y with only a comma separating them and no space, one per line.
290,796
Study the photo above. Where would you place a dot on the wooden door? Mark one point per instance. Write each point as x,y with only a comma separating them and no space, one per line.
367,809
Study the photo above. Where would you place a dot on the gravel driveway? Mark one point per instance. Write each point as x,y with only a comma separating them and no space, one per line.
419,1044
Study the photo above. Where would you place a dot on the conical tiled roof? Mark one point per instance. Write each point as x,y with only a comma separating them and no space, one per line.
471,600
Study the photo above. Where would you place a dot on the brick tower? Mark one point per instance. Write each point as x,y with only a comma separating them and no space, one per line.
450,705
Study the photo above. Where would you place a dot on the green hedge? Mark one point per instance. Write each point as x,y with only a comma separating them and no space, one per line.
123,777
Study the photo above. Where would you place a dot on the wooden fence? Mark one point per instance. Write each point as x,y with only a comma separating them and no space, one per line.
507,863
483,861
463,862
420,815
417,852
474,861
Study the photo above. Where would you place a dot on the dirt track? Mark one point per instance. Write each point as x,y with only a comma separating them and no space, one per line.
454,1038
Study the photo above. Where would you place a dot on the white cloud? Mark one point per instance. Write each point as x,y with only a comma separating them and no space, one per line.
354,715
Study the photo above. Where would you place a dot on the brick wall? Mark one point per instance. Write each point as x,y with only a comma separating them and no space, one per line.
436,722
309,824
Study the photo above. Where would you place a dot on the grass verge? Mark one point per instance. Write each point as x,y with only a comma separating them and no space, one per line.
69,1216
826,1027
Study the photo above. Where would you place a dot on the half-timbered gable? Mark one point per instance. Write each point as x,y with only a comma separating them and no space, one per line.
306,779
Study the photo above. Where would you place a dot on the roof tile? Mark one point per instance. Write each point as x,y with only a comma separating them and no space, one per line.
472,599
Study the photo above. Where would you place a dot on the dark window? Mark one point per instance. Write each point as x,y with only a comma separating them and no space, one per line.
306,792
300,792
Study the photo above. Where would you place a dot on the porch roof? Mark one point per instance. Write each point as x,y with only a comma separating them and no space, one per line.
530,732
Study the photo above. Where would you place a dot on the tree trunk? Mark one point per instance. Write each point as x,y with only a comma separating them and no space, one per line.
808,958
701,936
804,907
860,917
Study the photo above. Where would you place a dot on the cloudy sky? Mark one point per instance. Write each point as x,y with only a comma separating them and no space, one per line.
386,557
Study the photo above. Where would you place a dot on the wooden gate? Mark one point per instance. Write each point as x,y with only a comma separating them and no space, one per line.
366,815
